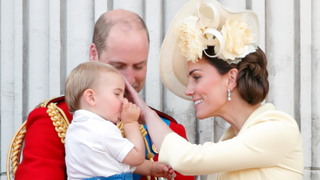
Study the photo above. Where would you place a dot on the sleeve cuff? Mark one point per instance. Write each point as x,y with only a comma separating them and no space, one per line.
124,151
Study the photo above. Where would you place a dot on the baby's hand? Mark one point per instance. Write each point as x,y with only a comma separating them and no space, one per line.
130,112
161,170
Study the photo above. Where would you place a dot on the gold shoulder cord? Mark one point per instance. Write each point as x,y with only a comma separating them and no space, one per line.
15,147
59,120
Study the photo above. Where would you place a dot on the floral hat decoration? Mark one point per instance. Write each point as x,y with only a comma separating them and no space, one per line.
199,24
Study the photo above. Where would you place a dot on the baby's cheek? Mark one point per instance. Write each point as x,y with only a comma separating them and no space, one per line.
118,108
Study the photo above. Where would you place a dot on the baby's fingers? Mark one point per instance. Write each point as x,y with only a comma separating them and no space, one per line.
134,107
171,173
125,104
170,170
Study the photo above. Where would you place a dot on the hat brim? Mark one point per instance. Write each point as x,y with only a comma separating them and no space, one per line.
173,65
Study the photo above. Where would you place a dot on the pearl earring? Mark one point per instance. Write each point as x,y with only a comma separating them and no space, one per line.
229,95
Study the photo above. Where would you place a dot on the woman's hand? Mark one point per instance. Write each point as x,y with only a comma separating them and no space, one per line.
133,96
157,128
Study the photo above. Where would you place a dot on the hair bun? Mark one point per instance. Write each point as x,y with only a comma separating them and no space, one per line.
252,80
255,69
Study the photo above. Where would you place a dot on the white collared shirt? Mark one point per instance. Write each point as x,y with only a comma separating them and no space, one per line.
95,147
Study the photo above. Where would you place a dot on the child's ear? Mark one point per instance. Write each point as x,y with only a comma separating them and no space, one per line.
89,96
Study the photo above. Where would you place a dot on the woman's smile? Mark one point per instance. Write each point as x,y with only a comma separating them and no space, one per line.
197,102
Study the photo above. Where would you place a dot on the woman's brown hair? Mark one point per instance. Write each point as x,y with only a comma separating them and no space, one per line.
252,80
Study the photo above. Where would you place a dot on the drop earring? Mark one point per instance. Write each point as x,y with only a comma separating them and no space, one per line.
229,95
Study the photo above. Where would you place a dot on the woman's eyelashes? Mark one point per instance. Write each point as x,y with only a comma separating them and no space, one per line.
195,77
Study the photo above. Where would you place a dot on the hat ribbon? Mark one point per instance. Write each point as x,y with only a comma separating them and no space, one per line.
211,26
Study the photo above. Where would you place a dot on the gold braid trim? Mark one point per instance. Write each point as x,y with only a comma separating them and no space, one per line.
59,121
120,126
44,103
142,130
15,147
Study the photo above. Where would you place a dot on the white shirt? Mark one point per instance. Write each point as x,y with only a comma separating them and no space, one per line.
95,147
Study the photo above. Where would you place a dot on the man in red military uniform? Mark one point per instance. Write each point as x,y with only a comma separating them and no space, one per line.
120,39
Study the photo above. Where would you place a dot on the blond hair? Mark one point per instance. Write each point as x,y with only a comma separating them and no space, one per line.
84,77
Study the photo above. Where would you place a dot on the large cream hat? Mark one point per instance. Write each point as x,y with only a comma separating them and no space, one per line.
202,23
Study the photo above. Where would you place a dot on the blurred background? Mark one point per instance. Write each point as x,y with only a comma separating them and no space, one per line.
43,40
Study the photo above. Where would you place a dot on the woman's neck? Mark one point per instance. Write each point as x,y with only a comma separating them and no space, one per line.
236,113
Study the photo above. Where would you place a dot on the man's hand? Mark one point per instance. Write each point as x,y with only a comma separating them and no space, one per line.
130,112
161,170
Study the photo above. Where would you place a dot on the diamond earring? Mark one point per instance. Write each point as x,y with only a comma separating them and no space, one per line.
229,95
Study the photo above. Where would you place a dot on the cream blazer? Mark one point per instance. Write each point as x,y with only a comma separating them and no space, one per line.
268,146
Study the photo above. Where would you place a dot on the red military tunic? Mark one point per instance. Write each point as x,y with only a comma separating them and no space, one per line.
44,153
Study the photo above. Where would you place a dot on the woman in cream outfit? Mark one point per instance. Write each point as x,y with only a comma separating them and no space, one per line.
210,55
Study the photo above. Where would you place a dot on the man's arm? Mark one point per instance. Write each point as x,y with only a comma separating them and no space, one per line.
43,152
